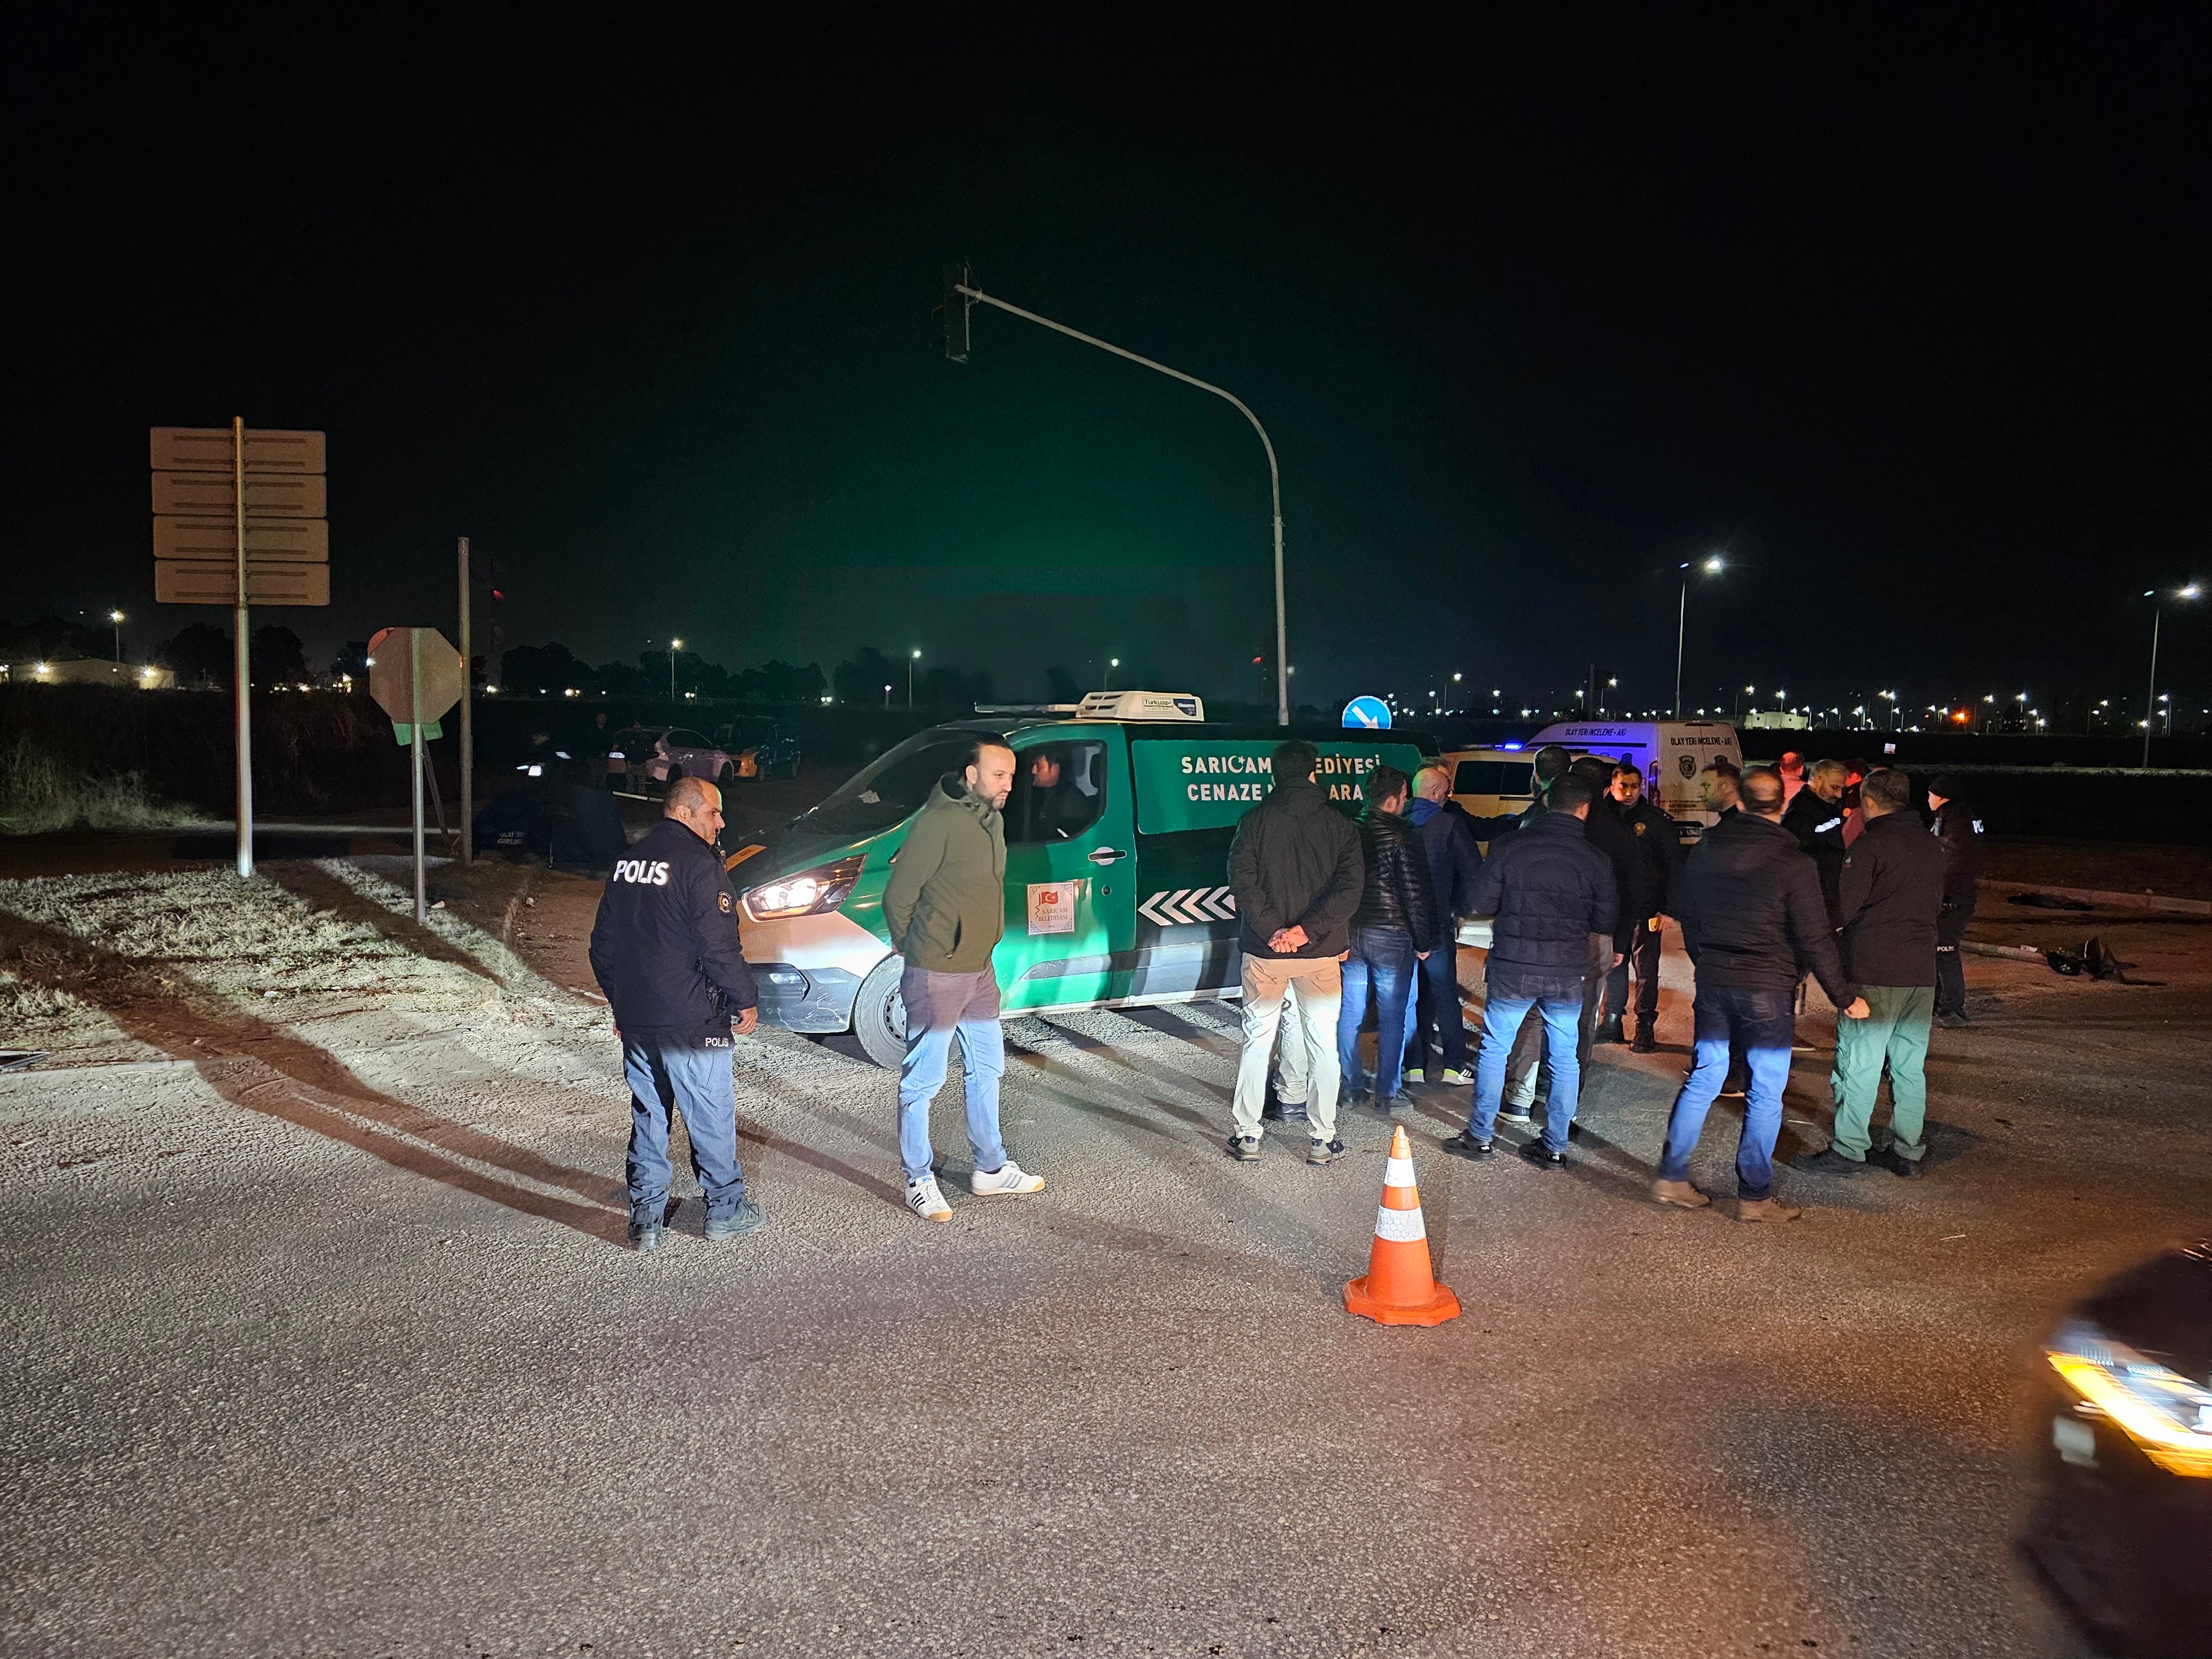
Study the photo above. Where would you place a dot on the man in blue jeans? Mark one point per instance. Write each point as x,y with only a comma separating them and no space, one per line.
1753,922
1548,889
1390,936
946,906
665,950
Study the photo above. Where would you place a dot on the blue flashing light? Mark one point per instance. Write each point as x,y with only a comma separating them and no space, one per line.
1508,745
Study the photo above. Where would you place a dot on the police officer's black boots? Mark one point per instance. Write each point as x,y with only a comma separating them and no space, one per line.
1646,1042
1610,1031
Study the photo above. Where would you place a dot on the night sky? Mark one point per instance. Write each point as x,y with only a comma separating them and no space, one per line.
1903,310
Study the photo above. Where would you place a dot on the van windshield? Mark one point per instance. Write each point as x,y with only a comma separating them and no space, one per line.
890,787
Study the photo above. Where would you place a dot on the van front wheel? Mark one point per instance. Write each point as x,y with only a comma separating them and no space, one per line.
879,1014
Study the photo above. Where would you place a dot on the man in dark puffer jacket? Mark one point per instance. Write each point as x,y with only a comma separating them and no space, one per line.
1390,933
1550,889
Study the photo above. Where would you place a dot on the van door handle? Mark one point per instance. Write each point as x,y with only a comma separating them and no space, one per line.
1108,856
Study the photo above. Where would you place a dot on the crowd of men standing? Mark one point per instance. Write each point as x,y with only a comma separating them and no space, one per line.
1829,876
1337,914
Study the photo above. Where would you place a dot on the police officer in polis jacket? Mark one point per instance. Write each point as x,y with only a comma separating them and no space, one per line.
665,950
1959,833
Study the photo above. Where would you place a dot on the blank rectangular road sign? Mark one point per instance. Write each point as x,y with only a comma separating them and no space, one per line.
197,581
271,541
207,449
272,495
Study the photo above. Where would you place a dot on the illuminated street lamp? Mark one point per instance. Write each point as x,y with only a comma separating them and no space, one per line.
674,645
914,658
1112,663
1710,566
116,618
2150,702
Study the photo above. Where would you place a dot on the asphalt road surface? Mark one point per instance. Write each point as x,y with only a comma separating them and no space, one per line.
321,1339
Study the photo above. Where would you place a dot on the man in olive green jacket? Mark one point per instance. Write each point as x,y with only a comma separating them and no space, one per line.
946,906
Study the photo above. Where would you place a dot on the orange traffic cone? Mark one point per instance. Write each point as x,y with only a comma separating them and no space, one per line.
1399,1288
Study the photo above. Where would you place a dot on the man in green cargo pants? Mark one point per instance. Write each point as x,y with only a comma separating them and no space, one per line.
1888,894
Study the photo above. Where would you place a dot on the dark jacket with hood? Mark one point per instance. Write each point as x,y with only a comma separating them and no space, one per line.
1819,826
1749,903
664,944
1549,891
1296,863
945,903
1399,893
1454,862
1893,892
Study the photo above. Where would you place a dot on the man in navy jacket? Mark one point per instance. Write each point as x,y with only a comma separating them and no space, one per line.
1549,891
664,948
1454,862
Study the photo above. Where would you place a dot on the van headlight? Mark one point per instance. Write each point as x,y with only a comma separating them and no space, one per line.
809,893
2168,1416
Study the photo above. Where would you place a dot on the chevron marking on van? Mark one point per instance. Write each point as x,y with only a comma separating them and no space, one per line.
1188,905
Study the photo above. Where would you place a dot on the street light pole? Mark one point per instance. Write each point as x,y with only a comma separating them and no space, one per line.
1711,567
115,617
2150,699
912,658
1274,475
674,645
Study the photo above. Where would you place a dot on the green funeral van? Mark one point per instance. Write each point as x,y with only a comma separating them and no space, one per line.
1118,862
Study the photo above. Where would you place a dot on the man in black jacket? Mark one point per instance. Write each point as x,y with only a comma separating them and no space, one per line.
1959,833
1612,839
1391,936
1892,891
1753,923
1548,890
665,950
1297,874
1454,862
1816,817
1657,849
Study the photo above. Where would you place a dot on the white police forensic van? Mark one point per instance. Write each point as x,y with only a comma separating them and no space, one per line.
1671,754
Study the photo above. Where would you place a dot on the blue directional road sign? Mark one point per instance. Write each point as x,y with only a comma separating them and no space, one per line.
1366,714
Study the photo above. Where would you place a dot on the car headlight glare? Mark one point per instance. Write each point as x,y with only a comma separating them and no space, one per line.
808,893
2166,1414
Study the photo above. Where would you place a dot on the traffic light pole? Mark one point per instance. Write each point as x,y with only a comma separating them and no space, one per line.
1274,478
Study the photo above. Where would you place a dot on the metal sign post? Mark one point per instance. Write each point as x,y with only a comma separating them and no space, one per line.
258,535
468,732
242,670
415,766
415,689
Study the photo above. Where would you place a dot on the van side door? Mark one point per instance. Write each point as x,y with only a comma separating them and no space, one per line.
1071,913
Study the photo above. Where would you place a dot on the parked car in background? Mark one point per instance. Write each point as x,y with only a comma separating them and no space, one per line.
761,748
644,760
2121,1528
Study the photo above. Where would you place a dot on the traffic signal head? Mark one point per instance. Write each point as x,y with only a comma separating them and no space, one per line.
952,313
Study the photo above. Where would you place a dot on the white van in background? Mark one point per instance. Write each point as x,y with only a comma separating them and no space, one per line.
1670,753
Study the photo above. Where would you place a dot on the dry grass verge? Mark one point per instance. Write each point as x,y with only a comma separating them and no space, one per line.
40,793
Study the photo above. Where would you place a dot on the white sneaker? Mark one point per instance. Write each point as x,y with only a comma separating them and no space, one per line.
1009,1178
926,1201
1455,1078
1416,1074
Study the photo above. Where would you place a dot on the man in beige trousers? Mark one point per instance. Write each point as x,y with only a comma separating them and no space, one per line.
1297,874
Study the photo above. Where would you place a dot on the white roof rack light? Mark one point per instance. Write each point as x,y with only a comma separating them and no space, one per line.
1140,705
